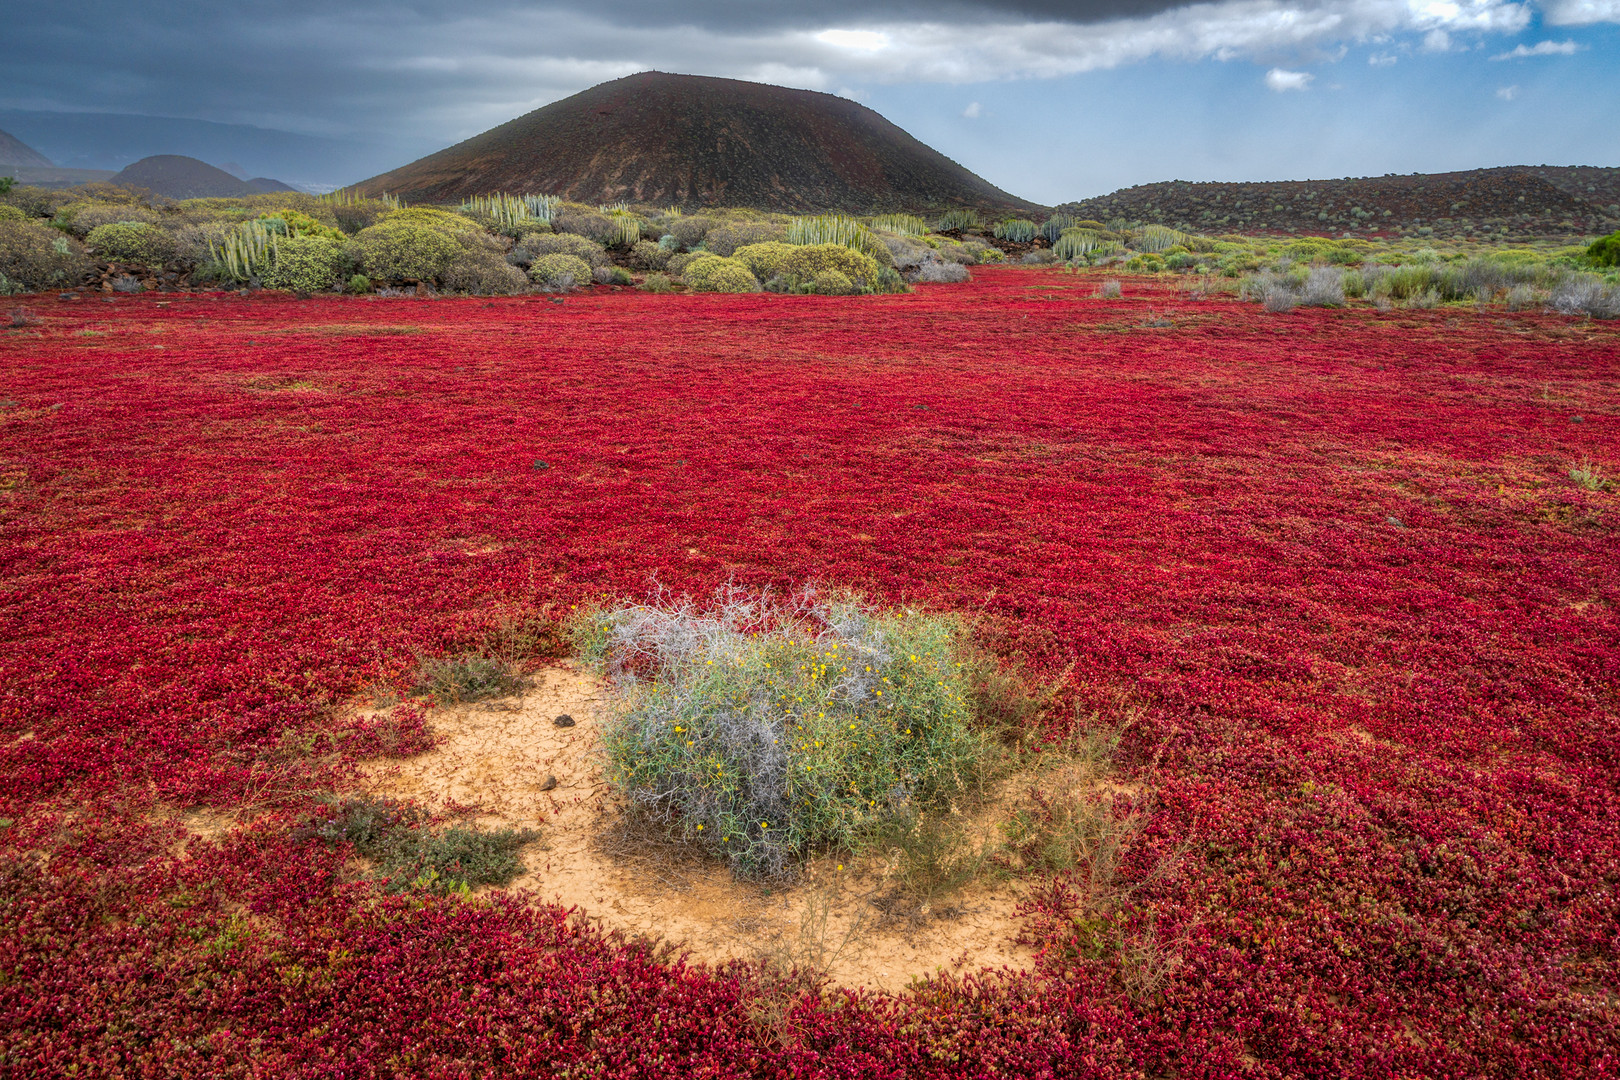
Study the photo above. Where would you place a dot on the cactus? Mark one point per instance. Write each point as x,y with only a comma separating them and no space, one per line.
837,229
904,224
1156,238
1056,224
1081,243
246,250
1015,230
957,219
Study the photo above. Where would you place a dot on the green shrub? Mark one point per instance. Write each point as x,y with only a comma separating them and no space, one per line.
1015,230
36,257
646,255
832,283
469,676
11,213
401,248
131,242
481,271
765,260
560,272
764,731
804,263
358,285
37,202
657,283
305,264
1156,239
612,275
1605,252
79,218
583,221
296,223
580,247
726,239
690,231
712,273
678,263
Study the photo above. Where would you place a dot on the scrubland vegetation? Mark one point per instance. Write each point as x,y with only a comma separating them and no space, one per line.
511,244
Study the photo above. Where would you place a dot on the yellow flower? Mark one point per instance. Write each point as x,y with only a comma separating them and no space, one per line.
700,828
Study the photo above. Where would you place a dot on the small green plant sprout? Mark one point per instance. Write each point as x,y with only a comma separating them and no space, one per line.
406,852
1592,479
7,183
1015,230
763,729
466,677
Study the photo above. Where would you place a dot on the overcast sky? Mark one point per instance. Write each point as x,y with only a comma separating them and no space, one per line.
1051,100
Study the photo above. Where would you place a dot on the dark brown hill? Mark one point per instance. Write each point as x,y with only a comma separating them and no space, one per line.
1520,202
181,177
13,151
694,141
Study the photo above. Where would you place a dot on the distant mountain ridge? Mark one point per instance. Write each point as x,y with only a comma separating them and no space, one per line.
1520,201
695,141
13,151
180,177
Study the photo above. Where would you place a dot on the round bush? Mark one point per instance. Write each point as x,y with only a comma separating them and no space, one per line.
806,262
711,273
304,264
690,231
679,263
131,242
11,213
657,283
35,257
80,218
876,725
1605,252
612,275
583,221
481,272
764,260
406,249
563,243
726,239
832,283
647,256
560,271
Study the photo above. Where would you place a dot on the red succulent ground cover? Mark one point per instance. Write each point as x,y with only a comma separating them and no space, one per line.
1332,560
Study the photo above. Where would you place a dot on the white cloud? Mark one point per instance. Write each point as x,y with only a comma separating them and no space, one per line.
1281,81
1381,60
858,40
1508,93
1543,48
1437,40
1579,12
973,111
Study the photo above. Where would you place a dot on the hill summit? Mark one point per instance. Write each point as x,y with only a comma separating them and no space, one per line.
181,177
13,151
695,141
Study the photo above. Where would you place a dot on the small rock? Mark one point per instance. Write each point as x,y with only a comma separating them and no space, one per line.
1397,522
551,782
564,721
1577,419
68,296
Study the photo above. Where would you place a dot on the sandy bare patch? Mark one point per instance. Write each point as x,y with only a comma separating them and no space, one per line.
500,757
